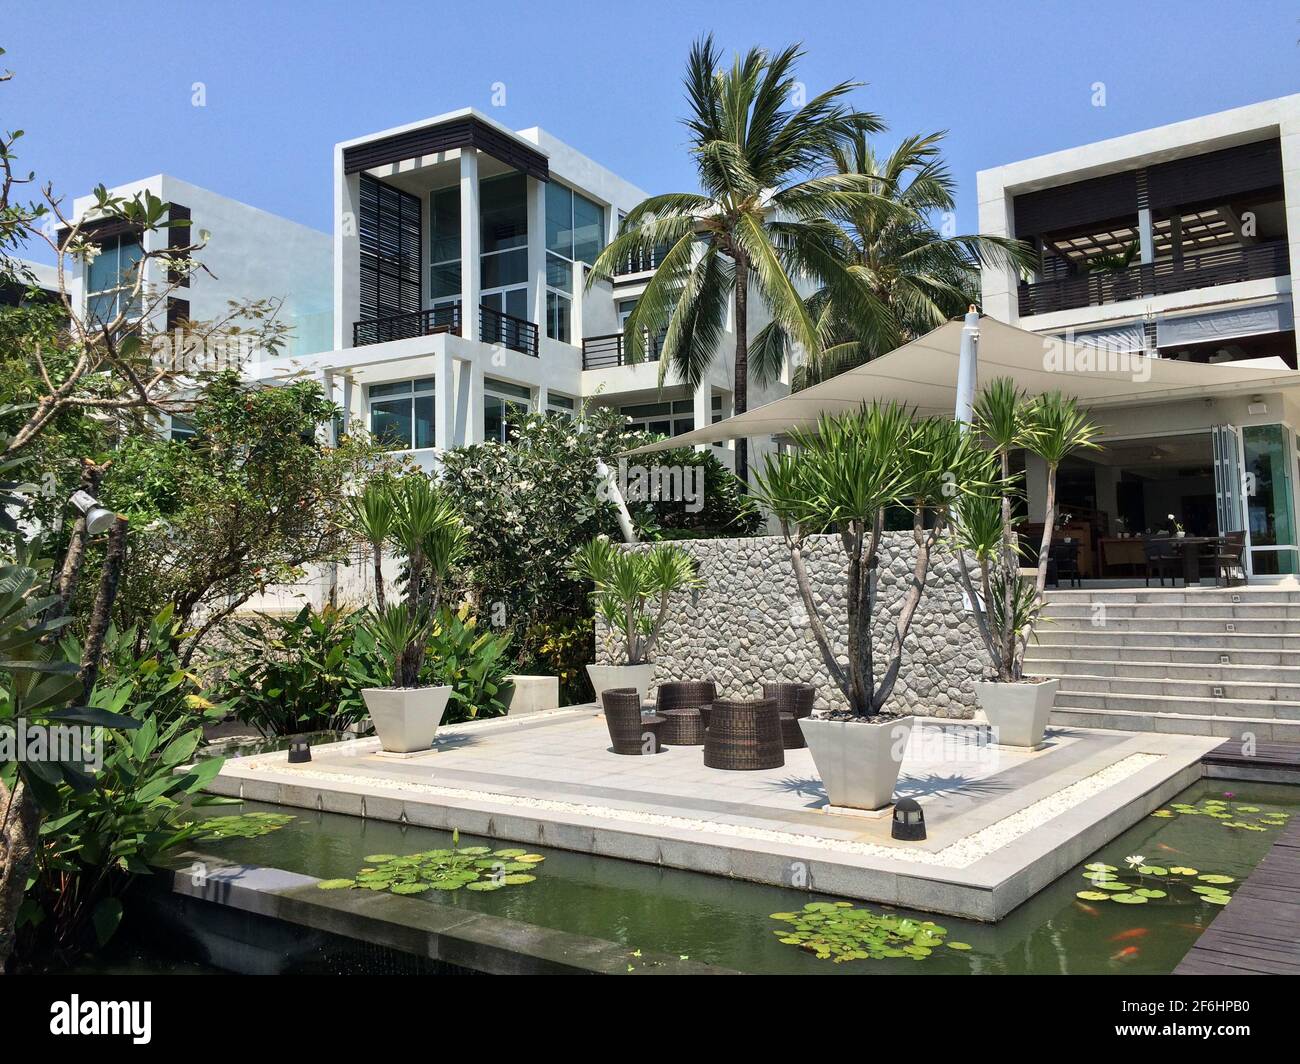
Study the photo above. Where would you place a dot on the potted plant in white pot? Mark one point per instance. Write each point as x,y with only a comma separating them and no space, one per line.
1007,606
632,589
428,531
841,479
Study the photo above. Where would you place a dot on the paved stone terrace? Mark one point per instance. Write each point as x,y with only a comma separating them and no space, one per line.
1002,823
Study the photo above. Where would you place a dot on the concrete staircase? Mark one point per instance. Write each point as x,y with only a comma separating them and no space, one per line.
1220,662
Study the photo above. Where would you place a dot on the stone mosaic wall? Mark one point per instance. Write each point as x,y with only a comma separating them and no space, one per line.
747,625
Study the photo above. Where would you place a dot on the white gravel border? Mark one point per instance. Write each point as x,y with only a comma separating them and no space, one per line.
960,854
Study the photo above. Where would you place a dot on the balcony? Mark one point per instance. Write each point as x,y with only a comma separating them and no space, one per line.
494,328
641,262
445,319
515,333
603,352
1142,280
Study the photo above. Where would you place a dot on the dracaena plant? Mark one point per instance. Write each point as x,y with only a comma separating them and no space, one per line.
840,479
1007,606
427,530
633,589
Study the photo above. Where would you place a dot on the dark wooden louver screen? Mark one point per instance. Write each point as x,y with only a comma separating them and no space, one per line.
178,236
178,310
389,237
1099,199
466,132
1216,175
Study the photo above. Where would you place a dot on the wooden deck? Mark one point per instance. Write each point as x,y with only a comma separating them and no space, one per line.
1271,755
1258,932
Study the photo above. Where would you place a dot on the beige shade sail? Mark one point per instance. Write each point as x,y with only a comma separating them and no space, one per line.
922,375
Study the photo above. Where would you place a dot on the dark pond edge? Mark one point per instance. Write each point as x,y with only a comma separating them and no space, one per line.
468,941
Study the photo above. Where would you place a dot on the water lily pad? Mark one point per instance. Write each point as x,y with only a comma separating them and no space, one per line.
1216,899
1182,870
531,858
1216,879
1100,877
381,858
484,884
1097,866
518,879
1093,895
1128,899
959,945
509,853
1153,870
336,884
1148,892
409,888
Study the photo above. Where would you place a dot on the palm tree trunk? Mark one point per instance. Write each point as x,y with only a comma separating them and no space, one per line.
740,385
378,549
19,837
1049,520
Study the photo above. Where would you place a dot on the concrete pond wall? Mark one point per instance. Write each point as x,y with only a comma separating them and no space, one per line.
747,624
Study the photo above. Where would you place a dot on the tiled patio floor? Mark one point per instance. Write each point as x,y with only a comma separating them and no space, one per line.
999,820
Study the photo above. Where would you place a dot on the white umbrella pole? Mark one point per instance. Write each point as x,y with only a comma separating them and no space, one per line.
968,367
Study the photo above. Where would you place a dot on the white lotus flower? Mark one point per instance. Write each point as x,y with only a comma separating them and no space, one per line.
1133,862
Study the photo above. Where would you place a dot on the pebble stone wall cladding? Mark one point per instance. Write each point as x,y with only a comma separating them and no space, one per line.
747,624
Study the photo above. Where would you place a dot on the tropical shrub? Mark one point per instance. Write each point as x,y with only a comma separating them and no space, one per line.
531,503
632,590
303,673
472,663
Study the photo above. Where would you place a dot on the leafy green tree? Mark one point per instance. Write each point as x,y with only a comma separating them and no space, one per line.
760,222
896,248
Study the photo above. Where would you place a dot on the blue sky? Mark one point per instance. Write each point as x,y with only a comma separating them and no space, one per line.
109,98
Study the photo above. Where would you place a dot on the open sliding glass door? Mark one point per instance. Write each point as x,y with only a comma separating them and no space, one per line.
1229,482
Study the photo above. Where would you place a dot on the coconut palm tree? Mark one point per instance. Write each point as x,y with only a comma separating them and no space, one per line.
761,221
917,277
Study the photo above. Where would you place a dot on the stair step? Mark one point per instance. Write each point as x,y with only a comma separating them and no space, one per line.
1175,670
1260,708
1194,596
1188,655
1244,729
1053,635
1194,690
1223,611
1189,625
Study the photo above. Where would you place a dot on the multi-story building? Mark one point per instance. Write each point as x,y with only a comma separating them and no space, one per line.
461,252
1180,242
249,255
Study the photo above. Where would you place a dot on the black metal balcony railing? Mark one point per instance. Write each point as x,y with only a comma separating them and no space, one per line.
601,352
1252,263
514,333
641,262
404,326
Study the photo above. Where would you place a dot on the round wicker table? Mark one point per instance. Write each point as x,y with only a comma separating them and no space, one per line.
744,735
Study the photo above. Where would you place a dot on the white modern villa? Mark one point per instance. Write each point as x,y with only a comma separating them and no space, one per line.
461,250
1180,242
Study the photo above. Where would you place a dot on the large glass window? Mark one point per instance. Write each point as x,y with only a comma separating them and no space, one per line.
111,275
401,413
503,214
575,232
664,419
444,245
504,405
1270,500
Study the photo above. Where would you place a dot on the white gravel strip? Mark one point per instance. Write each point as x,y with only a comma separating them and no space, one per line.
960,854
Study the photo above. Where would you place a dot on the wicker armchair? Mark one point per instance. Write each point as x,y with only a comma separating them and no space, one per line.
679,702
744,735
793,702
627,727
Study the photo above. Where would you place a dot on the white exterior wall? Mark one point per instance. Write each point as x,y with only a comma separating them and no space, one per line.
251,254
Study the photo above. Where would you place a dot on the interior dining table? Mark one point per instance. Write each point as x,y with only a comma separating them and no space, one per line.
1132,551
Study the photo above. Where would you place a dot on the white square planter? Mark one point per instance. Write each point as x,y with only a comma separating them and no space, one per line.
607,677
858,761
1018,712
406,718
533,694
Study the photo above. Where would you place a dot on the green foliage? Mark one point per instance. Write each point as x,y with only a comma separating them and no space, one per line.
100,837
470,867
531,503
302,673
632,589
839,932
245,504
562,648
1235,816
472,663
1141,884
396,633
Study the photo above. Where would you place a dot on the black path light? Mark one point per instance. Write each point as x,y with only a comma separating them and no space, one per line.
299,750
909,821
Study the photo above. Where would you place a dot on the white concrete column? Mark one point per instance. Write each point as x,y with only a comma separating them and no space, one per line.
575,317
444,399
326,432
537,253
542,397
475,433
347,252
470,244
349,415
703,409
1146,237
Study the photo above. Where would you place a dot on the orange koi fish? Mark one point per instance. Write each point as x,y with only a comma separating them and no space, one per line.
1127,953
1132,932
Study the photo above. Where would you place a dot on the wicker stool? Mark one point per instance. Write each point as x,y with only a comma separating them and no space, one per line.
679,701
682,727
793,701
744,735
628,728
